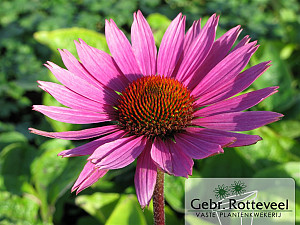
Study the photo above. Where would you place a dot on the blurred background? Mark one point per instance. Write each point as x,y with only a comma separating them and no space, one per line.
35,183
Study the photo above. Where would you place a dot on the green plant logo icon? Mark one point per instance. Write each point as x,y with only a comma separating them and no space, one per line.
238,188
222,191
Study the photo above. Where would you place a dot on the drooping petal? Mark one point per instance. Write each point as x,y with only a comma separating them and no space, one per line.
93,178
73,100
225,70
145,176
77,135
119,153
199,49
143,44
88,176
102,66
238,121
81,86
68,115
236,104
89,148
121,51
236,85
240,139
171,47
210,136
243,139
197,148
75,67
219,50
170,158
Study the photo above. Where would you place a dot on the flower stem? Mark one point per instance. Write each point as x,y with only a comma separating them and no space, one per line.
158,199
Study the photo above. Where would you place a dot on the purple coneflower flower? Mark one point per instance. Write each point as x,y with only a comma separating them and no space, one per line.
167,108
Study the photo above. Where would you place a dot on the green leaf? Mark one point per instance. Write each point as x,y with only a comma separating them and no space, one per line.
127,211
158,23
235,164
45,169
84,220
99,205
174,192
288,15
11,137
65,180
271,151
290,169
171,217
18,210
48,166
64,39
287,128
297,200
278,74
15,160
287,51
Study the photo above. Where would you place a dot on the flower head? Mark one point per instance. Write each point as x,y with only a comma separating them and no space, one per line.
165,108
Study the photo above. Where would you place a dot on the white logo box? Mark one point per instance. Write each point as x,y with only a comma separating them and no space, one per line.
255,201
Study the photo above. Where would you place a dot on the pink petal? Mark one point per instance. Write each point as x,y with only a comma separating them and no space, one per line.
143,44
236,104
73,100
171,158
219,50
68,115
210,136
198,50
241,139
93,178
102,66
191,36
171,47
243,42
81,86
75,67
145,176
119,153
89,148
121,51
224,138
225,70
87,177
196,148
77,135
236,85
238,121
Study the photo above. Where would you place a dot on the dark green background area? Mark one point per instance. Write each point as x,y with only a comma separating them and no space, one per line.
35,183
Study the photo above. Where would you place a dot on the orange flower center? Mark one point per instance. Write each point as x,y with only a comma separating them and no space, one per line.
155,106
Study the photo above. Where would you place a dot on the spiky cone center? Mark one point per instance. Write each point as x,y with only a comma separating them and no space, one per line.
155,106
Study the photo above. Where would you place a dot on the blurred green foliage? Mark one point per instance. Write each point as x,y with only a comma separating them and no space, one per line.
35,183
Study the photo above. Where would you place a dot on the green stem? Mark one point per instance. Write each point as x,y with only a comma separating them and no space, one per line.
158,199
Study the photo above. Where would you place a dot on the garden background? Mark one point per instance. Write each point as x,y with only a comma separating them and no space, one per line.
35,183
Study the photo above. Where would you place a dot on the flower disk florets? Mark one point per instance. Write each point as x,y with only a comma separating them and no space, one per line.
155,106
